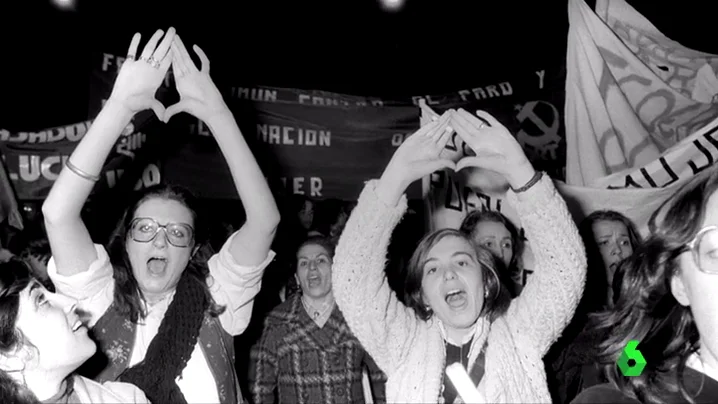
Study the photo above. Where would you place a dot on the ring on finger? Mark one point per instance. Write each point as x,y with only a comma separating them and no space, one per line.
152,62
130,57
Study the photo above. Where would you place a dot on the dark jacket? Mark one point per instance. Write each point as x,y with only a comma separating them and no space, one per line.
295,361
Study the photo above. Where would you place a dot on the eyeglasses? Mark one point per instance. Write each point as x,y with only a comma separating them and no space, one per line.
705,249
145,229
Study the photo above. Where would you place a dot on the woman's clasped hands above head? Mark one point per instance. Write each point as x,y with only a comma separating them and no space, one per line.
494,147
142,73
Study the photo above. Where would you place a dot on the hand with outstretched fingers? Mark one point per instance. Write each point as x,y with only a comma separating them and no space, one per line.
199,95
139,78
417,157
495,147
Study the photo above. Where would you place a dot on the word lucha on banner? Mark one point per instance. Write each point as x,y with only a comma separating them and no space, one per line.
33,168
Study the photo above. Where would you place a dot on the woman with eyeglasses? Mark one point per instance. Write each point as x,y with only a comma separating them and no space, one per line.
163,316
668,302
42,343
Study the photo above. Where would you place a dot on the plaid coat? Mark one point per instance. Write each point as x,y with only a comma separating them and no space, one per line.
295,361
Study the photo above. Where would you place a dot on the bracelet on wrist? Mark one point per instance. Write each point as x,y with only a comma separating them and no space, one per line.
80,173
533,181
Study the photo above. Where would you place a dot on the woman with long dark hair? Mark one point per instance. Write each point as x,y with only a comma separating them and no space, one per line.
42,343
668,302
163,315
610,238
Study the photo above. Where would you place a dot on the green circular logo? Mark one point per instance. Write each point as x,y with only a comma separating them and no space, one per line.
631,362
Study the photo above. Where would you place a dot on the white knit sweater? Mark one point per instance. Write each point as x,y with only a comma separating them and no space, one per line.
412,352
89,391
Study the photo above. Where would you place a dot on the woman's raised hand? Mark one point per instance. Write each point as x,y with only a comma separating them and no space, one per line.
417,157
199,95
495,147
140,77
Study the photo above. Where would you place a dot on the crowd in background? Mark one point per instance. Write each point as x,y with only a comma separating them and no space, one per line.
173,299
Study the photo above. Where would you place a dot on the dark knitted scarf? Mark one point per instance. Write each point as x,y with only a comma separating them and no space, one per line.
172,347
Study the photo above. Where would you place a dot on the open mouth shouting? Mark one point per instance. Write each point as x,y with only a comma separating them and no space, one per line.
457,299
314,281
157,265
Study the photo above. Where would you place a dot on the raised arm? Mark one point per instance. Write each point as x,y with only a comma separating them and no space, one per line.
552,293
549,299
384,326
72,248
201,98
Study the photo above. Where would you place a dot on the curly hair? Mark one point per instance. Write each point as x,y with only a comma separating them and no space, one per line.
128,296
14,278
646,309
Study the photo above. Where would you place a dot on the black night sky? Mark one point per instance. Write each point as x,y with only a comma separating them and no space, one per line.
349,46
